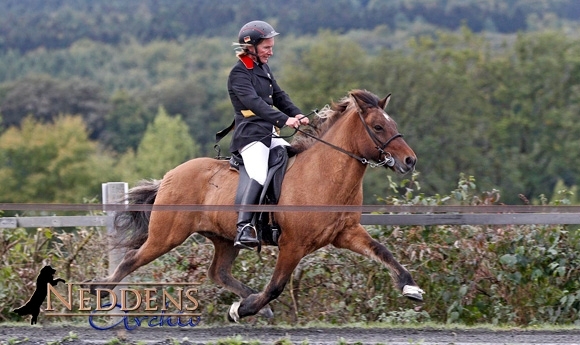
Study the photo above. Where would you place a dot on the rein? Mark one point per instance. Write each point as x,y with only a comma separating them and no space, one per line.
388,161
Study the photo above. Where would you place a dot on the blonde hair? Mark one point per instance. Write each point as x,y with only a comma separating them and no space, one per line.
241,49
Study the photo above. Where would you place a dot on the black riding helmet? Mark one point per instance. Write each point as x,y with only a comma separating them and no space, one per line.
255,31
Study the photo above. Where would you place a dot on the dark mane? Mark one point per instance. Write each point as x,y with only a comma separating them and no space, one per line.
326,117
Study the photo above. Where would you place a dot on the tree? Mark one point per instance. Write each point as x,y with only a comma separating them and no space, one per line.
45,98
53,162
438,106
165,144
125,124
328,70
534,91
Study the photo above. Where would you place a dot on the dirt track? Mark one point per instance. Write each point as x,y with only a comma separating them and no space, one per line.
267,335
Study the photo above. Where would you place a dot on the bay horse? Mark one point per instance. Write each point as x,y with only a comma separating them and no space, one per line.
328,170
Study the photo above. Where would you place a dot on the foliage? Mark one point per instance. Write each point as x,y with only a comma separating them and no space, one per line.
165,144
505,275
329,70
125,123
139,78
45,98
499,106
533,90
25,252
446,99
27,25
53,162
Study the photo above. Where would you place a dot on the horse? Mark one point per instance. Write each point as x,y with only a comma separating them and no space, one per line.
332,156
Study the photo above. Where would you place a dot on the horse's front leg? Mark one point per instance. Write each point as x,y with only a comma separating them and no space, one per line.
288,259
359,241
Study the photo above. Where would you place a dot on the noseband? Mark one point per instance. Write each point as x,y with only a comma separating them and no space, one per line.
388,158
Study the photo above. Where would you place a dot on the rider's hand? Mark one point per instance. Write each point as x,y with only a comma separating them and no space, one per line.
303,119
296,121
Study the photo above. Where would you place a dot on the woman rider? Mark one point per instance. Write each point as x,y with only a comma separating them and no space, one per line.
260,107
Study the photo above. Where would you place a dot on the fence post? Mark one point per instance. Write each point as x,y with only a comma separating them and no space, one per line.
113,193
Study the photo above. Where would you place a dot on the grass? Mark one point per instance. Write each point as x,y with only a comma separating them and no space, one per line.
70,337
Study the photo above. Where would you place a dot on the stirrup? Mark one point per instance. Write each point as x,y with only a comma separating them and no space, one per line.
248,242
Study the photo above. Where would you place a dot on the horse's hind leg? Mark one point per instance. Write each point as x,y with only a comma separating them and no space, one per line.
359,241
220,270
161,239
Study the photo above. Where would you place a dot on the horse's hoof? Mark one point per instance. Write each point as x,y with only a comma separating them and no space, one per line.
233,315
413,292
266,312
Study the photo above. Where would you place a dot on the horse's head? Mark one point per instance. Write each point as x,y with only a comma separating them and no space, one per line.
383,142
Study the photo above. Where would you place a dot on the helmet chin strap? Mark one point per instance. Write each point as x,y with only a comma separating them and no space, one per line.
254,54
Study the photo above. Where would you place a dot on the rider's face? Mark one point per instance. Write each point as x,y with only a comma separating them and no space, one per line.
265,49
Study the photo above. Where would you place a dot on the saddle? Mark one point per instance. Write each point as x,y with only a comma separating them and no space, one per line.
268,230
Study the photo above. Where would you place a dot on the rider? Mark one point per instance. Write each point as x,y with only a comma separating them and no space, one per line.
261,107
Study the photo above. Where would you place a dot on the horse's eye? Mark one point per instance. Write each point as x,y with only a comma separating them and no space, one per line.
378,128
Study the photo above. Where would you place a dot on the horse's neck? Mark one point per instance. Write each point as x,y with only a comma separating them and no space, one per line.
333,172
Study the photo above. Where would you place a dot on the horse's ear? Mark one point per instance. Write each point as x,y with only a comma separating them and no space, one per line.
357,103
385,101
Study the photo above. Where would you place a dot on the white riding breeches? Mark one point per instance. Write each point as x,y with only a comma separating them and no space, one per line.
255,156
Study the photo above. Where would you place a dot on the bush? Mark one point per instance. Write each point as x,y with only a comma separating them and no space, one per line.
509,275
24,252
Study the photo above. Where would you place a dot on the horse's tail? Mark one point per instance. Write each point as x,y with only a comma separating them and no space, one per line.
133,226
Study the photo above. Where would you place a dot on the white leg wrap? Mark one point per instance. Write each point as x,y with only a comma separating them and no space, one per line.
410,290
234,311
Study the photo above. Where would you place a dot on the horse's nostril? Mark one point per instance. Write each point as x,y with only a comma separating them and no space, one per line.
410,161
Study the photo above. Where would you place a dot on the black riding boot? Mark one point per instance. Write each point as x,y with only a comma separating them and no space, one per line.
247,235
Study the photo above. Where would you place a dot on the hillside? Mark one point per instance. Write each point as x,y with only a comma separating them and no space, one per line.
483,88
30,24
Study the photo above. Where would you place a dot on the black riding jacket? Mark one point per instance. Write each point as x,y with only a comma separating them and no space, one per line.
259,103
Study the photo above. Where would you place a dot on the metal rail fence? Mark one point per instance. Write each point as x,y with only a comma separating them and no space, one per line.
112,192
366,219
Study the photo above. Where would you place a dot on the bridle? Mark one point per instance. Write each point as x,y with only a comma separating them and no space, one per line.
388,158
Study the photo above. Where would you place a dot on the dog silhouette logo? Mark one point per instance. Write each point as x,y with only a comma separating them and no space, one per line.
32,307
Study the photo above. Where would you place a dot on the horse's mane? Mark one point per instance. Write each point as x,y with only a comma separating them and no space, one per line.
328,116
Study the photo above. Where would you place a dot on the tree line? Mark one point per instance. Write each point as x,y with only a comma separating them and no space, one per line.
505,113
51,24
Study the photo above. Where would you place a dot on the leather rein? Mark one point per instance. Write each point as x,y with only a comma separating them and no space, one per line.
388,158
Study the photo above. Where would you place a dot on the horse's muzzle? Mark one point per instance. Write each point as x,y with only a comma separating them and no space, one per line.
405,166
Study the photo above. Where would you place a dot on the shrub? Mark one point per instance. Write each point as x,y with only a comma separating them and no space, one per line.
515,275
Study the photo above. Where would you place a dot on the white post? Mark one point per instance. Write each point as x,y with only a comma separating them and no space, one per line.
114,193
